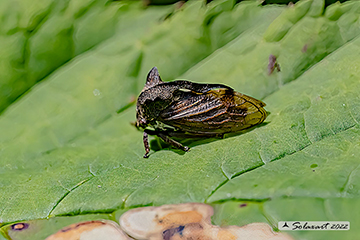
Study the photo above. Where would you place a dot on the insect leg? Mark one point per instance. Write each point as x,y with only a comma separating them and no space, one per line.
146,145
173,142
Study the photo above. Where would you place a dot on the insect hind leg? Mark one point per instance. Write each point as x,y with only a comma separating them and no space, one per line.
172,142
164,137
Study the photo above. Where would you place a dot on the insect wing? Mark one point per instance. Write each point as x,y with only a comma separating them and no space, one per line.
216,111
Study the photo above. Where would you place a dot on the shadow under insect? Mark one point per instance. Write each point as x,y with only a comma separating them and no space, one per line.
193,140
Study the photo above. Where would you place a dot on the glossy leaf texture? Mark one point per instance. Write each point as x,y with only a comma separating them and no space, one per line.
71,72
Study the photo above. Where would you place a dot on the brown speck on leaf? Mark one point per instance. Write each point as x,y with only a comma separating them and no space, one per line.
179,4
243,205
19,226
304,49
273,64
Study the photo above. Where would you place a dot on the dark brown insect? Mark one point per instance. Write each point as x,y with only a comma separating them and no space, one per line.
204,110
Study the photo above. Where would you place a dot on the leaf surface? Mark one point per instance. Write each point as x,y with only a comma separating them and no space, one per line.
67,146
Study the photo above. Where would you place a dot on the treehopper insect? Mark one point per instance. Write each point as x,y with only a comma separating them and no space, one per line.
184,107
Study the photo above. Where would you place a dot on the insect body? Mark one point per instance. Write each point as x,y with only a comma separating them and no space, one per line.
205,110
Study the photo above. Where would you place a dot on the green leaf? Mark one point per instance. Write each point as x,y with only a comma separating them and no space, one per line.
67,146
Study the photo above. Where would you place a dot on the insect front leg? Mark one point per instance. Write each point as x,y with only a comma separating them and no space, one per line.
146,144
173,142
